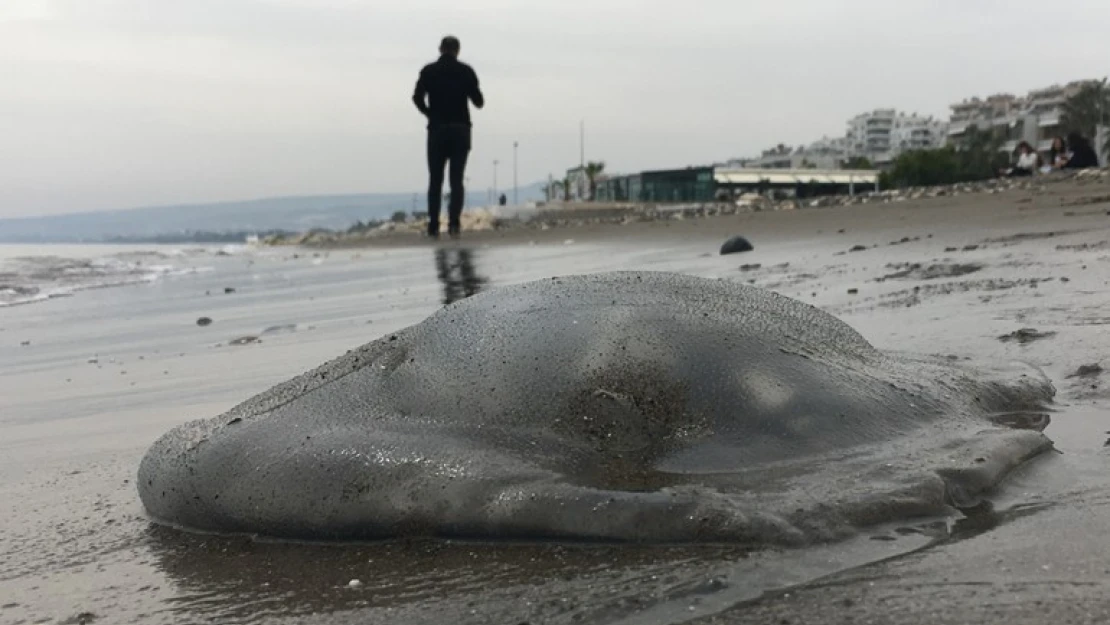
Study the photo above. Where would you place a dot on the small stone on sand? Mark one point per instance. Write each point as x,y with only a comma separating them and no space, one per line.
735,245
204,321
1087,371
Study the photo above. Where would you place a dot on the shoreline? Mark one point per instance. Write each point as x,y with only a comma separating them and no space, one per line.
607,221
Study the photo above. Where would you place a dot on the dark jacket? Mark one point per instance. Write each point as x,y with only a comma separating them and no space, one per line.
1082,157
447,84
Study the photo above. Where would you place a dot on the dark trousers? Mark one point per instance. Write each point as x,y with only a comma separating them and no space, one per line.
447,144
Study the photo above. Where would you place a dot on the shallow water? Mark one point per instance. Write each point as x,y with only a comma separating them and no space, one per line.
109,370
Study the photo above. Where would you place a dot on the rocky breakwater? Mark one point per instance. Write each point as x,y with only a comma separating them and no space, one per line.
474,220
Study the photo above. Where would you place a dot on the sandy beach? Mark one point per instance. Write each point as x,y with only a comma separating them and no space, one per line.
89,381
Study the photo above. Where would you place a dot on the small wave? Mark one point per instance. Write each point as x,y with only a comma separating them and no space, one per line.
30,279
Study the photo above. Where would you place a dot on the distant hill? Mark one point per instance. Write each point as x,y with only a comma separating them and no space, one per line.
264,215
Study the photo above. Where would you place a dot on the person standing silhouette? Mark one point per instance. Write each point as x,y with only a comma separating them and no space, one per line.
442,94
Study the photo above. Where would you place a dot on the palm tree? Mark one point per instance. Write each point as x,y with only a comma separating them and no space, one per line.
593,170
1085,111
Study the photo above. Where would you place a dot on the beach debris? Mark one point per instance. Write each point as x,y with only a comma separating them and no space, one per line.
245,340
917,271
750,267
1025,335
204,321
1087,371
736,245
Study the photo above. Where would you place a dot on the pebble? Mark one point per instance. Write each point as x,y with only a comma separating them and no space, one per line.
354,583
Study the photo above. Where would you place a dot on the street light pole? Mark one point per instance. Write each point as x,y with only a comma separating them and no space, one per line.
516,200
582,143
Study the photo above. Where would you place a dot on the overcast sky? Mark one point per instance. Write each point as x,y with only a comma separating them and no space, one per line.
119,103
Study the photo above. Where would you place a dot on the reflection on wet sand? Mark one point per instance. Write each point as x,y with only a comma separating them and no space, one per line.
455,269
228,578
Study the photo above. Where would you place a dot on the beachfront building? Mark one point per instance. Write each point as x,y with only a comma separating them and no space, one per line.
1035,117
579,184
800,157
879,136
695,185
882,135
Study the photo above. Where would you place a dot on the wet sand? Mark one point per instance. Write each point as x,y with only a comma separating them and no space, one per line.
74,545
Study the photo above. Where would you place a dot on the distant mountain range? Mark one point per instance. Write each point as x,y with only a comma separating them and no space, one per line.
198,221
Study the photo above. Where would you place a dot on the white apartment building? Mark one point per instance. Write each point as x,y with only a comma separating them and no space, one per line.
1034,117
881,135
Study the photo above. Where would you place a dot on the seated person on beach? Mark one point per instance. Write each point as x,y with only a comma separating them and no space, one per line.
1027,162
1081,154
1058,154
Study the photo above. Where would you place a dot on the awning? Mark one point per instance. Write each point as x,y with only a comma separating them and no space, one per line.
791,177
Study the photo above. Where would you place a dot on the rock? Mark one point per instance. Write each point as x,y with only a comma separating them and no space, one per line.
853,291
228,290
25,343
1025,335
736,245
1087,371
858,248
354,583
750,267
970,248
245,340
204,321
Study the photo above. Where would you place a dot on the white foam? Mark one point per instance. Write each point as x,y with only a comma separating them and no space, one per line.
30,279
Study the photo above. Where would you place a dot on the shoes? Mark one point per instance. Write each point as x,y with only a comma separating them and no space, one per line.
453,231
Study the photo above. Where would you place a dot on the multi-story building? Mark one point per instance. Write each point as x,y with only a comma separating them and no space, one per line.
1035,117
878,136
881,135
